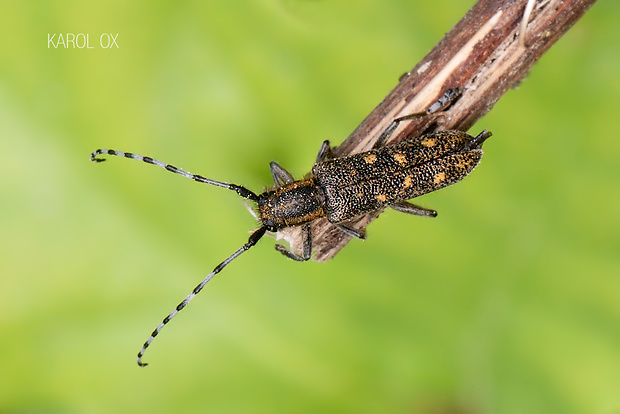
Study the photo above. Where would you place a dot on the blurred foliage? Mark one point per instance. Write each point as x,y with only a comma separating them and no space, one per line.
508,302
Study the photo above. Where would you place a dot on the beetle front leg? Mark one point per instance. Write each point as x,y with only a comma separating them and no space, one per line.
306,235
279,174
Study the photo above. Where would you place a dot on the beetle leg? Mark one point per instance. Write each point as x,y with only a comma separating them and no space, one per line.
434,110
279,174
306,234
325,152
392,127
359,234
406,207
477,142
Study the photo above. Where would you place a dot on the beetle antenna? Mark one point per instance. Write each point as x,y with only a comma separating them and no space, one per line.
242,191
254,238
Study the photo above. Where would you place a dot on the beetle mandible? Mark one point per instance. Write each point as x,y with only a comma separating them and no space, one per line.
341,189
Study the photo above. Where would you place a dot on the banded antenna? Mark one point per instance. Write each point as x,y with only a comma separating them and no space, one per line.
254,237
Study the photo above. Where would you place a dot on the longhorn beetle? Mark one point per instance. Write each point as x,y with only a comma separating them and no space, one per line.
341,189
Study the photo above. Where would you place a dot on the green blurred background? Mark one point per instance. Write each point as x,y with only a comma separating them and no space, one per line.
508,302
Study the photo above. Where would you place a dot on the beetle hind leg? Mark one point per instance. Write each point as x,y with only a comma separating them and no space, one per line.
406,207
434,110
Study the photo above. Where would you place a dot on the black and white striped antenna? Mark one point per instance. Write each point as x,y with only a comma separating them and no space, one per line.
240,190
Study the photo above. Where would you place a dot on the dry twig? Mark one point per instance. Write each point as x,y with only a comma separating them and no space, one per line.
488,52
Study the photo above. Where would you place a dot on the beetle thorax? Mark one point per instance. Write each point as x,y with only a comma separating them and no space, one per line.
292,204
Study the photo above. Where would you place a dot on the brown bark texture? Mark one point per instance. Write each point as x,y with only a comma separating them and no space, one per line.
488,52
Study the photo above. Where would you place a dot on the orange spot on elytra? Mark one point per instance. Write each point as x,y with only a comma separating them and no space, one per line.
407,182
429,142
370,158
439,177
400,158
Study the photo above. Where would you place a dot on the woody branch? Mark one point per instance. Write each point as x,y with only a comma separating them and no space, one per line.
489,51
